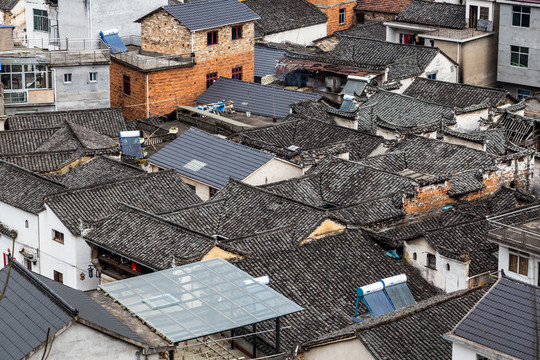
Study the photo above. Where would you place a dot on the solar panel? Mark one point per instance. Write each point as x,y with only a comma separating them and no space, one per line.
199,299
132,146
113,41
378,303
400,295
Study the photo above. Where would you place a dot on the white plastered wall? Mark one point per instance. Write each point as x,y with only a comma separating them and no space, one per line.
301,36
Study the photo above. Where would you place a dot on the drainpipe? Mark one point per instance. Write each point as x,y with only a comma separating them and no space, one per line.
147,101
90,18
458,72
192,34
54,90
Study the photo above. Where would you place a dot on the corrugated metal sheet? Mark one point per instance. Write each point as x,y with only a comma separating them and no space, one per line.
204,14
209,159
265,60
256,98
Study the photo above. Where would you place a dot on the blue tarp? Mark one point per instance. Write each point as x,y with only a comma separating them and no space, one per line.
113,42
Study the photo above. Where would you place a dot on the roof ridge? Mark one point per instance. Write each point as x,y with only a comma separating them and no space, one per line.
413,98
44,288
201,204
31,173
459,84
61,112
228,141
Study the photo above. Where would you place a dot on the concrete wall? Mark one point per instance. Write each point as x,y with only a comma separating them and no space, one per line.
460,352
274,170
23,19
84,19
81,93
71,258
301,36
479,61
452,279
350,350
519,36
82,342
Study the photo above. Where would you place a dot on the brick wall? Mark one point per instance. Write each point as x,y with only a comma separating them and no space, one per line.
162,33
333,17
371,15
167,88
226,45
436,196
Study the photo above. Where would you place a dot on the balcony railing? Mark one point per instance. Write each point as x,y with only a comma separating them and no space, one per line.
520,228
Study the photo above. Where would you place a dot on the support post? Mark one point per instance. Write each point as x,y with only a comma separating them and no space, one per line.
277,335
254,352
232,339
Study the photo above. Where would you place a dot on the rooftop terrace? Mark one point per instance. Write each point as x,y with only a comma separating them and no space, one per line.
519,228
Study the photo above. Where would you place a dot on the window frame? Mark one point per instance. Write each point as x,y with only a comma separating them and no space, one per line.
485,10
236,32
431,261
126,85
58,236
523,94
522,53
432,75
211,78
66,76
41,20
342,19
521,262
58,276
94,75
236,73
212,191
212,38
518,11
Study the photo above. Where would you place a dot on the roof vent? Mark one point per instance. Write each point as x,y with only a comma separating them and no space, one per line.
293,148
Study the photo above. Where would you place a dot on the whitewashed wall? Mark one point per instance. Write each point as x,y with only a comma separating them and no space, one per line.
302,36
445,68
274,170
469,121
504,260
350,350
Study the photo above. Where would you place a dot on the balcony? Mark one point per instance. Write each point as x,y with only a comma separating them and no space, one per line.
519,229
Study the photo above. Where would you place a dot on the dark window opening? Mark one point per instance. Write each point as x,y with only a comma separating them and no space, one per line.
58,236
211,38
431,261
28,264
521,16
414,256
237,73
213,191
519,56
237,32
58,276
210,79
127,85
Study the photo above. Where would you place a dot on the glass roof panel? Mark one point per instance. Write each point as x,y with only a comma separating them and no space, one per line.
199,299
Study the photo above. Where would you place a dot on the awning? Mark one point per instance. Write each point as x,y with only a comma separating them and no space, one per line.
286,65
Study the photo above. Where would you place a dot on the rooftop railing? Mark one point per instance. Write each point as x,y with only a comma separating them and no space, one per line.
517,228
145,62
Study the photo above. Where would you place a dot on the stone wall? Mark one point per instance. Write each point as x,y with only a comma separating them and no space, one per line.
226,45
162,33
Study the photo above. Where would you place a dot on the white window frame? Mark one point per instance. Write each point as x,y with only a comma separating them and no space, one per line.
92,76
342,19
68,77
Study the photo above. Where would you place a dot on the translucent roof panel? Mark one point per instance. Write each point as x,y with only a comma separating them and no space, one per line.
199,299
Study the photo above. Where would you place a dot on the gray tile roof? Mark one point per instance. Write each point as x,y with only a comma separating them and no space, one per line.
505,320
34,304
311,109
433,13
108,121
314,139
454,94
374,30
416,332
265,60
284,15
23,189
341,182
43,162
257,98
23,141
322,277
403,113
153,241
72,136
466,182
199,15
371,54
8,4
154,192
494,139
220,159
97,170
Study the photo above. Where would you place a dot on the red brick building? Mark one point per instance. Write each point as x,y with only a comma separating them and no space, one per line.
184,49
341,15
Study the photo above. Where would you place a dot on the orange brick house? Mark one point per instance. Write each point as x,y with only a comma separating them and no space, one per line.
184,49
341,15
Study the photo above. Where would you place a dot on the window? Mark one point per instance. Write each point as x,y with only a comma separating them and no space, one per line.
447,267
210,79
16,79
58,276
237,32
480,357
58,236
28,264
237,73
431,261
519,56
127,85
67,78
341,16
518,262
521,16
523,94
93,76
211,38
213,191
41,20
192,187
432,76
26,224
414,256
484,13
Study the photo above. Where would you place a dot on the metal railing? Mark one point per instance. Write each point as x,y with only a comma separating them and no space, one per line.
509,228
80,57
72,43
